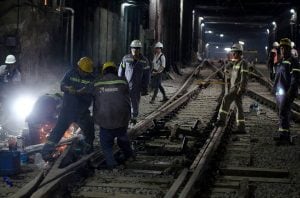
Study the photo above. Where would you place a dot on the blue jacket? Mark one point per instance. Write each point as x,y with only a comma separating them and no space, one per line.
76,104
137,72
287,77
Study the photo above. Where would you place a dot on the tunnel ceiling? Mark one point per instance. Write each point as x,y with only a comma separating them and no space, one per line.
246,14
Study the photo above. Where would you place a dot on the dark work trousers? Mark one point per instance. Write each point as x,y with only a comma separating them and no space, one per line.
156,82
135,96
107,137
65,118
226,102
272,72
284,109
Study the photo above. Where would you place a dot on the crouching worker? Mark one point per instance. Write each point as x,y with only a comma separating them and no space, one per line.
43,117
112,112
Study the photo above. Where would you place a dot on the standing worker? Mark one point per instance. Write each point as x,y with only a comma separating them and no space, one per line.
112,112
294,50
273,59
159,64
238,83
135,67
75,107
286,88
10,75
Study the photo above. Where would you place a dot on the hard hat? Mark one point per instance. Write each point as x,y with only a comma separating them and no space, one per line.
108,64
237,47
158,45
85,64
275,44
136,44
10,59
293,44
286,42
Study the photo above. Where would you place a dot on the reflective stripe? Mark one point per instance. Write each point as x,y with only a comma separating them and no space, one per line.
236,67
50,142
240,120
148,67
80,80
112,82
243,70
222,111
298,70
123,65
287,62
283,130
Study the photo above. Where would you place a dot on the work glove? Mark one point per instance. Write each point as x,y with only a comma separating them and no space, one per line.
71,89
47,152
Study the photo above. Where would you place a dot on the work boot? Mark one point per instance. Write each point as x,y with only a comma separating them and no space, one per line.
152,101
165,99
219,123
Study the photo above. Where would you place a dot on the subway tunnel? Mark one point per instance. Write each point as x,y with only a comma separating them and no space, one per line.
48,38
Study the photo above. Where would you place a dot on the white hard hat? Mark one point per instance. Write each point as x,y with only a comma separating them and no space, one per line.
237,47
275,44
136,43
293,44
10,59
158,45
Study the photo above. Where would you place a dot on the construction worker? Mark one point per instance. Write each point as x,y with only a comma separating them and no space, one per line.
75,106
43,117
112,112
286,88
238,82
9,76
294,50
135,67
158,66
273,59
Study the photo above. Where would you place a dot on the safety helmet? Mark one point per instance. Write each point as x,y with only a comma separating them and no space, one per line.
286,42
158,45
275,44
293,44
85,64
237,47
10,59
136,44
108,64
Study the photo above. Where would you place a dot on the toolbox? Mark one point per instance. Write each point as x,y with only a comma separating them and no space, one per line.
9,162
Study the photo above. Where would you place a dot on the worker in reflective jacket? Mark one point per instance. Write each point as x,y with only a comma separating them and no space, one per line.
238,82
273,59
75,106
135,67
112,112
285,88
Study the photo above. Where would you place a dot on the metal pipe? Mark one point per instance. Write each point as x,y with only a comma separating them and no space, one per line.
72,33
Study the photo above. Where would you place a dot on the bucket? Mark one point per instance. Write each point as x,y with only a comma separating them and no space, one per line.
9,162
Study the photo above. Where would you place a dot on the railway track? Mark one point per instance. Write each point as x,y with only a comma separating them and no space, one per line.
181,154
176,144
252,165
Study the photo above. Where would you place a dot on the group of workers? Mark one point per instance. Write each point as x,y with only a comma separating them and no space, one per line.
115,95
285,71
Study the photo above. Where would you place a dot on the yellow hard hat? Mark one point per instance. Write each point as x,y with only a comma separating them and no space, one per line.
85,64
286,42
108,64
